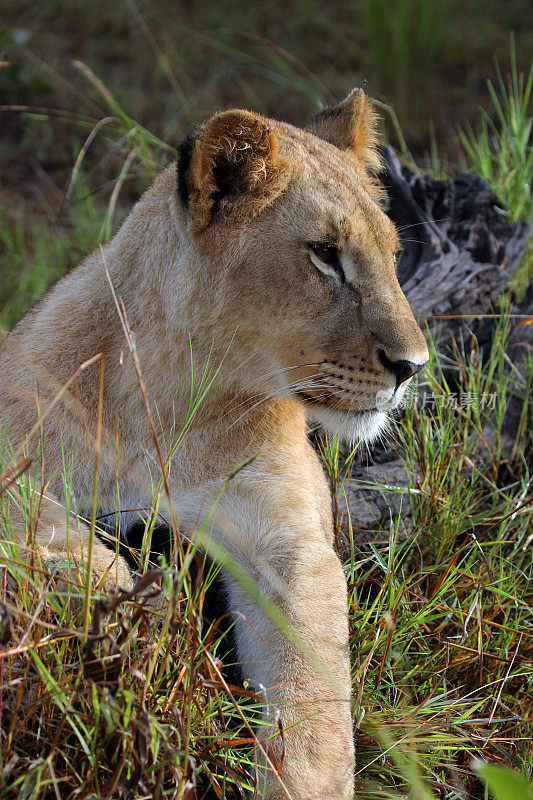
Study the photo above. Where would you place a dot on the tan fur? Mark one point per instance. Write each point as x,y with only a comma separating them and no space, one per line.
40,521
228,278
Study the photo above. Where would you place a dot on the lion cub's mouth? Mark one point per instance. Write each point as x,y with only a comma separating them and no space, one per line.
362,425
316,403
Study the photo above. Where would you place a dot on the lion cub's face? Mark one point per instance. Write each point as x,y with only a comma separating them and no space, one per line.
307,261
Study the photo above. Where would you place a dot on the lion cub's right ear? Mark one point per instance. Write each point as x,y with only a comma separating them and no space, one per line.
231,163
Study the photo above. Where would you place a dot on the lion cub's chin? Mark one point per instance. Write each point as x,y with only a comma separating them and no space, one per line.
359,426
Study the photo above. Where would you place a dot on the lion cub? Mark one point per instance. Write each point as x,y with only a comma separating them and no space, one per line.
261,252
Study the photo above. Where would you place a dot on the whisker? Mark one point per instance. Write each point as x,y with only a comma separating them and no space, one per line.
240,365
233,408
273,373
401,228
280,371
284,391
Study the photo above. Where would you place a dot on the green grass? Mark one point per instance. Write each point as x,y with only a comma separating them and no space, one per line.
501,150
35,252
442,622
441,635
137,705
405,39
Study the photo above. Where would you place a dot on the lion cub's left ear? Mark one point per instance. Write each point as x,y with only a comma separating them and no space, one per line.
231,163
351,125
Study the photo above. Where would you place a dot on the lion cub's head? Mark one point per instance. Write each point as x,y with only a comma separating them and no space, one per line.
304,260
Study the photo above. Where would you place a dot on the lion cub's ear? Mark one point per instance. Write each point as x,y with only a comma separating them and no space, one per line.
350,125
230,163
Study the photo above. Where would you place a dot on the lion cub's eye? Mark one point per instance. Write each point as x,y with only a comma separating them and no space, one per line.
326,257
327,253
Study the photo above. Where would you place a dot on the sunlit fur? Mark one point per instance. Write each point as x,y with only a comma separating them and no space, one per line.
213,269
359,427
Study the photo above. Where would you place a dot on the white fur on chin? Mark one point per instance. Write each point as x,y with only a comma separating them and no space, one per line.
364,426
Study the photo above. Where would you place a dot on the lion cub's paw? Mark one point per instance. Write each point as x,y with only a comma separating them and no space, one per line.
110,571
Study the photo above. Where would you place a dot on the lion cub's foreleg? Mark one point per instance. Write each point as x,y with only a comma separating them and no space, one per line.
307,680
57,541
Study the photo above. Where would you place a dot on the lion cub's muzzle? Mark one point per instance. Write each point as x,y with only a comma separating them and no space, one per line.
361,383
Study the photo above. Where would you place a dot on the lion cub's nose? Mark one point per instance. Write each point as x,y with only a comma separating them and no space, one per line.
402,369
